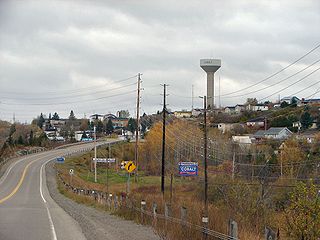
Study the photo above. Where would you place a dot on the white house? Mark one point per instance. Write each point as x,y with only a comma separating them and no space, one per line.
240,108
230,110
257,107
182,114
242,139
225,127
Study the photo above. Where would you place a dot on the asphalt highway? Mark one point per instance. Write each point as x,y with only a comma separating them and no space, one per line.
26,209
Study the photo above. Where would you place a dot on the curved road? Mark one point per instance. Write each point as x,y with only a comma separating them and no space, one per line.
26,209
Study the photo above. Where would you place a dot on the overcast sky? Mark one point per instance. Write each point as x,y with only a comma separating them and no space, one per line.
61,55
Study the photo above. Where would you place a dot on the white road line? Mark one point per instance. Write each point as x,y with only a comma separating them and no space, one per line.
14,164
9,170
53,231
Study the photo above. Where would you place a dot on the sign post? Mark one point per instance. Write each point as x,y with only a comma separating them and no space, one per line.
71,172
130,167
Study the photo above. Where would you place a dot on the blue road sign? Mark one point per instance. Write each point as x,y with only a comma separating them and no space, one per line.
86,139
187,169
60,159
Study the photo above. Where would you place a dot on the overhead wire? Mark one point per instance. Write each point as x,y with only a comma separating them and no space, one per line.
274,74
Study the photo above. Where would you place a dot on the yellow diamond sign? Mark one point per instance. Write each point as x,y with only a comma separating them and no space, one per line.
130,167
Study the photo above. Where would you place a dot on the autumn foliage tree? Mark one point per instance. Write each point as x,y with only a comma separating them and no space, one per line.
303,213
181,145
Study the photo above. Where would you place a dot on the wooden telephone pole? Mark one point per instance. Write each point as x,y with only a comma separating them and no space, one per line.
136,158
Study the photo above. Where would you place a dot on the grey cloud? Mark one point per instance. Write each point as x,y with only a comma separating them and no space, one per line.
57,40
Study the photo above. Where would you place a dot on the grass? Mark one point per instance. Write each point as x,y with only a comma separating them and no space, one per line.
186,192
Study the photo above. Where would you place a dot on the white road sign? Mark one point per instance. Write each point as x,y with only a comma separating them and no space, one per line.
104,160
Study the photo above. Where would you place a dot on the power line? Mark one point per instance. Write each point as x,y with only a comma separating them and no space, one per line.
274,74
290,84
77,89
63,103
68,96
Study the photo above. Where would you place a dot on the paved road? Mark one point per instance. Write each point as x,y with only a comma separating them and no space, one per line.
26,209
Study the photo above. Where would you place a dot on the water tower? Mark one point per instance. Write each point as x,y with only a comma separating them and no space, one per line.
210,66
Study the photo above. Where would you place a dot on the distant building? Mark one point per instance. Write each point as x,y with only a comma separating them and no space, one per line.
242,139
117,121
257,107
237,109
274,133
230,110
257,122
183,114
225,127
196,112
308,135
290,100
240,108
310,101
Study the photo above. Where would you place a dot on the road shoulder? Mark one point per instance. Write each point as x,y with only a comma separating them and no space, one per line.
97,224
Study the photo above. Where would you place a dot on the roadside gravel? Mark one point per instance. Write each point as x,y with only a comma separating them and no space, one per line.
97,225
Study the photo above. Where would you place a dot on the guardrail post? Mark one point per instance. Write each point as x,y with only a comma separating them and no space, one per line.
183,216
115,202
233,229
167,214
154,211
109,201
143,209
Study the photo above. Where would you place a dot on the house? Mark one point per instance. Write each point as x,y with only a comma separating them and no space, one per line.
308,135
230,110
273,133
183,114
256,122
117,121
225,127
290,100
257,107
242,139
196,112
240,108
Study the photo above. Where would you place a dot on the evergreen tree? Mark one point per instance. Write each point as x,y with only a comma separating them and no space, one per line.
31,138
55,116
132,125
72,116
40,120
109,127
20,140
306,120
99,126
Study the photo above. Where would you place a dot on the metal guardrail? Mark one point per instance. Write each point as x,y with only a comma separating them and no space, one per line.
123,201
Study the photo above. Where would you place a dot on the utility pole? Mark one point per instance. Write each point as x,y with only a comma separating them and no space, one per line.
219,93
137,130
192,97
205,218
163,139
95,154
265,123
108,164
